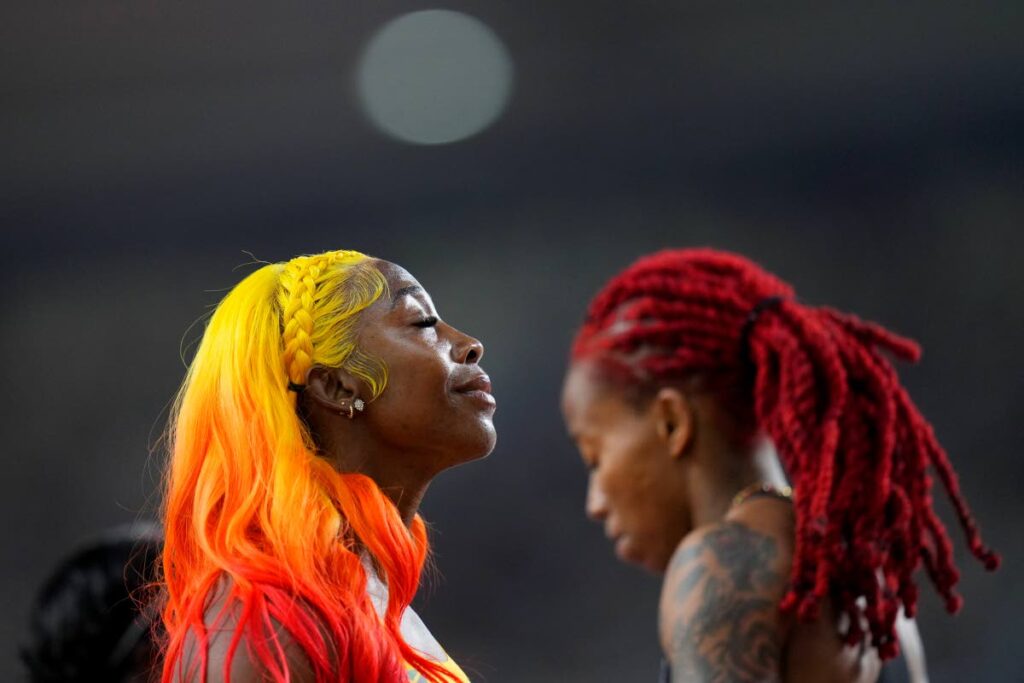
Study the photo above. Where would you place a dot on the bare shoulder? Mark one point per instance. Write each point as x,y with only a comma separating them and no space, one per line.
719,618
244,667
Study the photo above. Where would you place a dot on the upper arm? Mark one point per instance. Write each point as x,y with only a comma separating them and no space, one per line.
719,615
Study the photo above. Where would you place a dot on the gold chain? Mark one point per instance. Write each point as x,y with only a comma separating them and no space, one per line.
762,489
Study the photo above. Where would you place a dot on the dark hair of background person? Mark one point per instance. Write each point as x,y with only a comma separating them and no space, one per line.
94,618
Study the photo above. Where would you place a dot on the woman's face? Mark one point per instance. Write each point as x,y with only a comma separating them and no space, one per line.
634,486
437,404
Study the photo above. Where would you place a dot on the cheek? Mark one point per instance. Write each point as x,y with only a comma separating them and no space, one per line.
633,479
418,409
622,482
418,382
411,399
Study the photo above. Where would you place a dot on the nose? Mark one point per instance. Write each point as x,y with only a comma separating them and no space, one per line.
597,503
466,349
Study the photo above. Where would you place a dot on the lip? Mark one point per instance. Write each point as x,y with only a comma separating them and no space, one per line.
478,389
478,382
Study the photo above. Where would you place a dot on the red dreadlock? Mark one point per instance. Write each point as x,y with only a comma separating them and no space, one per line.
855,446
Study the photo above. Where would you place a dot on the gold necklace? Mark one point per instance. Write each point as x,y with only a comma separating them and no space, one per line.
762,489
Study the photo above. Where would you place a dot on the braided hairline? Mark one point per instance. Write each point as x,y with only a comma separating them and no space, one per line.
854,444
300,278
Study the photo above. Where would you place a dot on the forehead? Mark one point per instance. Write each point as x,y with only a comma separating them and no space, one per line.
401,283
397,276
584,397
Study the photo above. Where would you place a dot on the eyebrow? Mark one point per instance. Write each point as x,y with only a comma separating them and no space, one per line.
411,289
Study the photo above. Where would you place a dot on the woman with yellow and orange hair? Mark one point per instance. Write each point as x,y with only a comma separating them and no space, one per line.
325,395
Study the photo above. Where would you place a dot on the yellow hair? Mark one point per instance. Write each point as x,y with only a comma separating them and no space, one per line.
320,305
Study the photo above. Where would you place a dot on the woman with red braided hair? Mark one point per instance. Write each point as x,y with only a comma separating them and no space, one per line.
325,395
698,383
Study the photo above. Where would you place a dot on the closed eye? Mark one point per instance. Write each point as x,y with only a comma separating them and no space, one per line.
429,321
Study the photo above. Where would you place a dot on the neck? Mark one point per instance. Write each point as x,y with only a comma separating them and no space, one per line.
404,487
717,479
354,452
406,498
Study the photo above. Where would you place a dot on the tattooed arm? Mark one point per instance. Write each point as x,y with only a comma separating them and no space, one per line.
719,615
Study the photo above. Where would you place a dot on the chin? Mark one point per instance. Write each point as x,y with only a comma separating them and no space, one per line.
632,554
488,439
477,445
652,565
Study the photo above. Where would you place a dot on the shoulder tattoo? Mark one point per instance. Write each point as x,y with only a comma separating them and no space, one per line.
720,608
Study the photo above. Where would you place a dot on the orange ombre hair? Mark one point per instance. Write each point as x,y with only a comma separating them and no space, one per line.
261,529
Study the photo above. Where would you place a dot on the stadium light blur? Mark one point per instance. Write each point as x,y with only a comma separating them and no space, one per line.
433,77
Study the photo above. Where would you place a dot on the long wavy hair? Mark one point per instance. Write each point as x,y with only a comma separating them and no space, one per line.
259,523
817,381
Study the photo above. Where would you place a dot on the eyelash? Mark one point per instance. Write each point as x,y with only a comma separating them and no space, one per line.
426,322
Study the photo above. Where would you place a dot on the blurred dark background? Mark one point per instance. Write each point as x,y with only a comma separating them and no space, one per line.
868,153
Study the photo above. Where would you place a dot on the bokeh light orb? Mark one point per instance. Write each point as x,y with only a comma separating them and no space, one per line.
434,76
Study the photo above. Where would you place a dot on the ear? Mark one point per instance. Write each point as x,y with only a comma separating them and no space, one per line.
331,388
674,420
